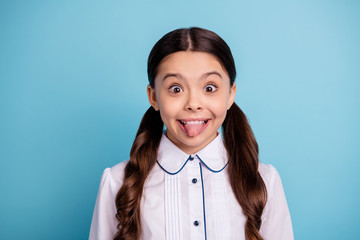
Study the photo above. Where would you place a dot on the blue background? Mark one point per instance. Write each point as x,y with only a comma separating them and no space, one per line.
73,90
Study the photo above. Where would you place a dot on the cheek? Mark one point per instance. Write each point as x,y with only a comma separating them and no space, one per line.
219,106
219,109
169,108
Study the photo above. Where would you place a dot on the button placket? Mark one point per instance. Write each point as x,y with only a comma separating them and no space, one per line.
195,200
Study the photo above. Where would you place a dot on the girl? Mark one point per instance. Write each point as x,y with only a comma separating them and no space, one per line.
189,181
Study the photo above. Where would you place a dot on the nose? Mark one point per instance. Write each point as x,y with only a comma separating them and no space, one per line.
194,102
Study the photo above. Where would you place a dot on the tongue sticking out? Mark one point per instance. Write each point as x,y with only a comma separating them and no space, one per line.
193,129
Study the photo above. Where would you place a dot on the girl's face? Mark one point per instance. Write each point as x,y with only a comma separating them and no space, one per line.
193,93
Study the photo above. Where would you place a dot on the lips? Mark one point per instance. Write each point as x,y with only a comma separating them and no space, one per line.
193,127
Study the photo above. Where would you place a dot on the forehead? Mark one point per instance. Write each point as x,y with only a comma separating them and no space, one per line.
190,62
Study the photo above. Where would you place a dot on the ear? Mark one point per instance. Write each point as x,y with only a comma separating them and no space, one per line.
231,96
152,97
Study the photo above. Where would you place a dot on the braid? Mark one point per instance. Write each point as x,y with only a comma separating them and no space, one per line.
246,182
143,156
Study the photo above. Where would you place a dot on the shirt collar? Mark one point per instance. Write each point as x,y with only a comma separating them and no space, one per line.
172,159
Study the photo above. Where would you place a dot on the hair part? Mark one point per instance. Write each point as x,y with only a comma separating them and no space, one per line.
245,180
190,39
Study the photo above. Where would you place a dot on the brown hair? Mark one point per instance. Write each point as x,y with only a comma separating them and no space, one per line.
246,182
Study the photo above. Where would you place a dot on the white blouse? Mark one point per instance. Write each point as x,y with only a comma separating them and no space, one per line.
190,197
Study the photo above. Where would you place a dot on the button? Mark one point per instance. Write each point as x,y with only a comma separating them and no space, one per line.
194,180
196,223
191,158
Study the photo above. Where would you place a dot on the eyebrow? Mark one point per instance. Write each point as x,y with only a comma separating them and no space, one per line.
205,75
211,73
177,75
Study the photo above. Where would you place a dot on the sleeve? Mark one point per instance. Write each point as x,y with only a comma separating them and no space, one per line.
104,222
276,222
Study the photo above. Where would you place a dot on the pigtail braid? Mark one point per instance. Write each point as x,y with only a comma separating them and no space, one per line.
143,156
246,182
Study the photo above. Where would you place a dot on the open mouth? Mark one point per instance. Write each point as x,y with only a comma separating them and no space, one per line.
193,128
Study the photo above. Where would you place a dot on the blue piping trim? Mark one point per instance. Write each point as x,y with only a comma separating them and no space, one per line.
174,172
215,171
202,186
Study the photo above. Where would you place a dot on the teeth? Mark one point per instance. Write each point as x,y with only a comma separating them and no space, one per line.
193,122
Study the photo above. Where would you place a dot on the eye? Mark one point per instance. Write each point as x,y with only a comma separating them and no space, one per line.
175,89
210,88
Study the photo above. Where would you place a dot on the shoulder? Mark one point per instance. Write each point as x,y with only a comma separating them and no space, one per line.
115,174
270,176
267,171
